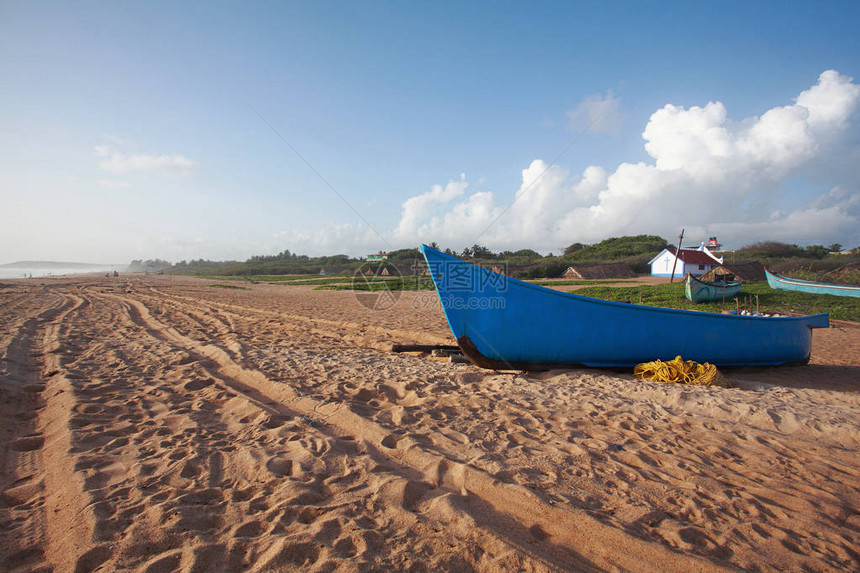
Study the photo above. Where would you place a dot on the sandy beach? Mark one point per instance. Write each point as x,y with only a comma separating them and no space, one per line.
158,423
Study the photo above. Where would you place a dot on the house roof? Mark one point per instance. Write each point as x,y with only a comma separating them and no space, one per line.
691,256
749,271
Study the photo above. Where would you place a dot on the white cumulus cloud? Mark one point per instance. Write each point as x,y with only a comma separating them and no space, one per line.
709,174
420,213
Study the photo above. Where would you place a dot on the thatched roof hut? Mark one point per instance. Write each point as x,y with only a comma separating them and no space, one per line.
751,271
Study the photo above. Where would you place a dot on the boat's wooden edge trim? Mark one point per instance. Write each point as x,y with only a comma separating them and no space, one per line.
470,351
718,284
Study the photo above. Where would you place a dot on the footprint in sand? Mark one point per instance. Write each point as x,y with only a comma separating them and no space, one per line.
282,466
390,441
250,529
196,385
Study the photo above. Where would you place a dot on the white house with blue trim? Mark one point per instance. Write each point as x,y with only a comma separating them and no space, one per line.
689,261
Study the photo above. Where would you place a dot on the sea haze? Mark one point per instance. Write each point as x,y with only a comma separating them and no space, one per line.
34,269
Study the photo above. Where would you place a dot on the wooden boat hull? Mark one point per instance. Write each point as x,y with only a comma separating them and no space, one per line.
700,291
504,323
780,282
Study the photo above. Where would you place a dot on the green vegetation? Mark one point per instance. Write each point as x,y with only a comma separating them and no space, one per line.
849,275
218,285
377,283
754,295
771,250
549,268
813,262
307,281
635,251
617,249
284,279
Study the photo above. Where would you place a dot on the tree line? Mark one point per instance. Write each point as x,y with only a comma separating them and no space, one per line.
635,251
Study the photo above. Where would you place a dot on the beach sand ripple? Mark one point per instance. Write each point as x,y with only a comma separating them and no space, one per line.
160,424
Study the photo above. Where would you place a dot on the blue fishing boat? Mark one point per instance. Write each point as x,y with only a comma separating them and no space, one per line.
503,323
701,291
780,282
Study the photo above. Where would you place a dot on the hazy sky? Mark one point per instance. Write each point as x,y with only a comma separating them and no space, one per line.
186,130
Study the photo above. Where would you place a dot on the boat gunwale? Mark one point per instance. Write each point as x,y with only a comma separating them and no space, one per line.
715,284
803,282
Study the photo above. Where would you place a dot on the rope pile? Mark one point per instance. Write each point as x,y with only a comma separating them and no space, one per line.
679,371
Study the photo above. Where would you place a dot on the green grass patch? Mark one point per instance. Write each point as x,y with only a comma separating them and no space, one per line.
317,281
217,285
289,279
663,295
337,282
379,283
286,279
753,295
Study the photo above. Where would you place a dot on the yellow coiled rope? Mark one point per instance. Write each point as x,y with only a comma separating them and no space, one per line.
679,371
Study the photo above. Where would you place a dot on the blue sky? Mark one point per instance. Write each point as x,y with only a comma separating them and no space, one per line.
142,129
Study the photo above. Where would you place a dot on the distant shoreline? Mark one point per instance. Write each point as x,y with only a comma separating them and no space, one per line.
37,269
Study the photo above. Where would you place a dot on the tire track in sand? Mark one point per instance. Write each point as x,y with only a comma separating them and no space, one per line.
454,491
367,335
189,474
63,524
22,469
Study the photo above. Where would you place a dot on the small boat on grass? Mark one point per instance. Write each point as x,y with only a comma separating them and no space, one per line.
503,323
701,291
780,282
